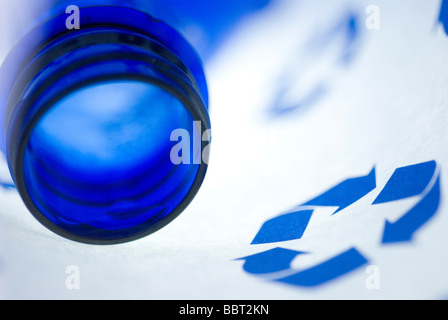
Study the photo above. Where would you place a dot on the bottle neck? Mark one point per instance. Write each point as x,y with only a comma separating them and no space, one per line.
53,65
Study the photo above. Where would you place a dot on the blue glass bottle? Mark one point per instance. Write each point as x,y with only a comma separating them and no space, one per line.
86,116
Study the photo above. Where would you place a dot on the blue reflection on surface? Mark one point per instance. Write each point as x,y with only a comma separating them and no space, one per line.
205,23
302,85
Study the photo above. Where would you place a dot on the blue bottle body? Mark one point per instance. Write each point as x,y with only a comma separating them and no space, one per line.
88,115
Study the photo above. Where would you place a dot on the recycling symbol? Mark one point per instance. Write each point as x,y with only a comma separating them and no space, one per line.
418,182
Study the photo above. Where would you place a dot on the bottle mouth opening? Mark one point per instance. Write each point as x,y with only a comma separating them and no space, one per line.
88,127
104,166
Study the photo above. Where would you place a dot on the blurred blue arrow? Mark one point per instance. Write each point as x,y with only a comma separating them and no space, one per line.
443,16
404,228
6,185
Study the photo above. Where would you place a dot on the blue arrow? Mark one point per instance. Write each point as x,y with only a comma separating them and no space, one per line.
443,16
5,185
407,182
404,228
346,193
270,261
290,226
280,259
329,270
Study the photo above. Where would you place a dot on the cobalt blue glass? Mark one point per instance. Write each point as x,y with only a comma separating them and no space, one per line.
86,118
